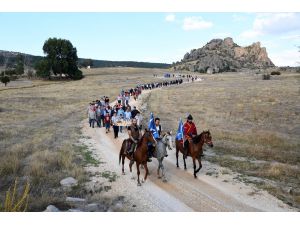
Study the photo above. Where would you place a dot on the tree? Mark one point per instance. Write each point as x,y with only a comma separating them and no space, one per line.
20,65
5,80
62,58
43,68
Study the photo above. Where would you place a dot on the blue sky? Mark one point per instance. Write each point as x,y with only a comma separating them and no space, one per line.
153,37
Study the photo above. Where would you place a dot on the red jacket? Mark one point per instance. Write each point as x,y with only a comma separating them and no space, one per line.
189,129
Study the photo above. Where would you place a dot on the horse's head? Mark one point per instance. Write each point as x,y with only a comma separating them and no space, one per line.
208,138
168,140
149,136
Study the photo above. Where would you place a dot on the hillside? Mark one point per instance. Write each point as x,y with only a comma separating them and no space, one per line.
224,55
8,59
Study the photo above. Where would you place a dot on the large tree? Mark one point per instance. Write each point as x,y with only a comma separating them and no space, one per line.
61,58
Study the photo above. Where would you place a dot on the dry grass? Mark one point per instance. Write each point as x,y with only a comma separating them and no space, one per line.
40,124
249,118
15,202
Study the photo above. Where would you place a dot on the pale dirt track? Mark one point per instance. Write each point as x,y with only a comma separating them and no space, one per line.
181,192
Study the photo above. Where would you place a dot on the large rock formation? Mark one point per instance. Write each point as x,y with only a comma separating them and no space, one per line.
224,55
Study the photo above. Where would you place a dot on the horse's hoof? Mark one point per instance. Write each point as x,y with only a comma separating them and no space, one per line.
143,181
159,177
123,173
139,184
132,178
185,168
165,180
195,176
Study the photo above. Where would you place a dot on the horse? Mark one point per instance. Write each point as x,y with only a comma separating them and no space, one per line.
161,151
194,149
139,156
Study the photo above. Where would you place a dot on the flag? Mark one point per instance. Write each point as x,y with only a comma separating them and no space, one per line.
152,127
179,135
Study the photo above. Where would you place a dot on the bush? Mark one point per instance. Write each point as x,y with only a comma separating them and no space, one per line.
266,76
5,80
30,73
275,73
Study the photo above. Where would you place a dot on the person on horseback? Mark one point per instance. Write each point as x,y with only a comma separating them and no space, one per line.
190,131
134,135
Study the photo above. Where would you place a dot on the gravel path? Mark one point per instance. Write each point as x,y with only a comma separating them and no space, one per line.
182,192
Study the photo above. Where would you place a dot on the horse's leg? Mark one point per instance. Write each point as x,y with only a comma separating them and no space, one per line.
123,161
159,167
163,171
138,173
130,168
184,161
147,171
177,158
200,164
194,164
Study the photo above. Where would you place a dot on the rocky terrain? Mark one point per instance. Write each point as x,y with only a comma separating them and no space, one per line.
224,55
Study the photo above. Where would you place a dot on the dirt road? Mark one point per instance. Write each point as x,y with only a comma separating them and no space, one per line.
181,192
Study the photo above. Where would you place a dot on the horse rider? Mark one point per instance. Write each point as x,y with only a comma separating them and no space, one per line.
134,135
190,131
150,147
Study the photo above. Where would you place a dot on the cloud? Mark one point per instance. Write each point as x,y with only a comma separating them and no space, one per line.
291,37
170,18
195,23
286,58
249,34
273,24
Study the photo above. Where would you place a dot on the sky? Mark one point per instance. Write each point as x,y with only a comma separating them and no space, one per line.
151,37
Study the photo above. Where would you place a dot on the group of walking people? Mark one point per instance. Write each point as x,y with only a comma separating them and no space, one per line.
121,114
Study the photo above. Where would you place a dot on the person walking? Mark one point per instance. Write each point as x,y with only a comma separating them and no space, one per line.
98,116
114,123
92,115
127,114
107,122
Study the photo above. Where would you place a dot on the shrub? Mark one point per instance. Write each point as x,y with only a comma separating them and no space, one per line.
13,201
266,76
5,80
275,73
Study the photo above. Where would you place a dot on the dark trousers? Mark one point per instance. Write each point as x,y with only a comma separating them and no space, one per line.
92,122
116,131
98,120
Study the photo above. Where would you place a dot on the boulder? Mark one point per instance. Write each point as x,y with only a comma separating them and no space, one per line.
75,200
69,182
51,208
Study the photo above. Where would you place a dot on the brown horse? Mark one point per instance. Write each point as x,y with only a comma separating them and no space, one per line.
140,155
195,149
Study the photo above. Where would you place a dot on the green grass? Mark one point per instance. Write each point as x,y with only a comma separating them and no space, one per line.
87,155
111,176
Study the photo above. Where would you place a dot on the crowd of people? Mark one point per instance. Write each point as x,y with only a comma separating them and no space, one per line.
102,114
121,115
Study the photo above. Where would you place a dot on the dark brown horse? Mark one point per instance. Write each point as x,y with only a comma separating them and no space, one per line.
195,149
139,156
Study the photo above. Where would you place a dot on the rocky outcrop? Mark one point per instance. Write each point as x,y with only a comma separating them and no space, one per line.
224,55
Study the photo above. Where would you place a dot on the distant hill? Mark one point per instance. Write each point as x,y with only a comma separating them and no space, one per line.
8,59
220,55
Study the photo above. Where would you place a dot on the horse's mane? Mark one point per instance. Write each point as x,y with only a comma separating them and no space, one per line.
197,138
141,141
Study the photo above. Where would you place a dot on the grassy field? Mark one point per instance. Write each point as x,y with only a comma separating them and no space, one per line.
40,126
255,125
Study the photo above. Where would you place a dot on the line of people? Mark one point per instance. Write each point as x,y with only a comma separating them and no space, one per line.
121,114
